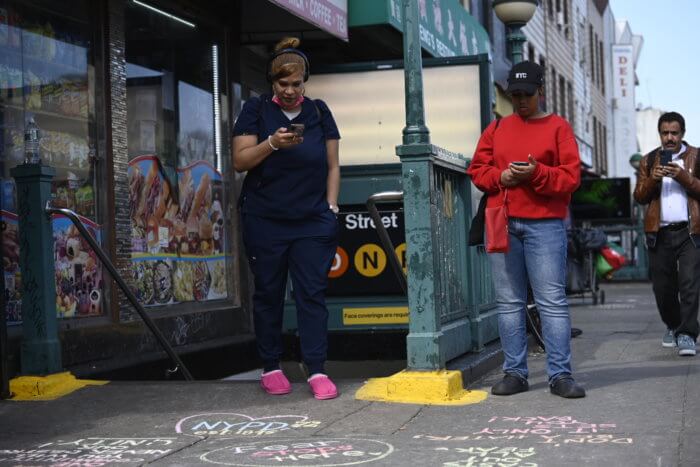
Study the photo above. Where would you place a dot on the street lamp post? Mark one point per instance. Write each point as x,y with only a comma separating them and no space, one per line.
635,161
640,269
515,14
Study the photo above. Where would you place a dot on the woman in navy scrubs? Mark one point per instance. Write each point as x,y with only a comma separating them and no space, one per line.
288,211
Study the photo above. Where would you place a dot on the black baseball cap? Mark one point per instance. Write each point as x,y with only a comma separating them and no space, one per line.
525,76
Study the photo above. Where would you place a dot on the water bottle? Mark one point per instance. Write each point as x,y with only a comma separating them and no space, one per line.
32,136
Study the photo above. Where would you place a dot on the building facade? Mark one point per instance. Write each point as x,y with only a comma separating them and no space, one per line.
582,83
135,101
625,54
566,38
647,129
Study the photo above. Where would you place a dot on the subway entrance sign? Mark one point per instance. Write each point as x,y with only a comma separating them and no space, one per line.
361,266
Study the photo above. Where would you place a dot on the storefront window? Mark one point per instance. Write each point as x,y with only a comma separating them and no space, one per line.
179,237
48,77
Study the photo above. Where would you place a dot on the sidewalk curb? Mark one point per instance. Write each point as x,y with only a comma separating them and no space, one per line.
476,365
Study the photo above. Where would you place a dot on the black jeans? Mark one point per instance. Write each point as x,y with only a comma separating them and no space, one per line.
674,266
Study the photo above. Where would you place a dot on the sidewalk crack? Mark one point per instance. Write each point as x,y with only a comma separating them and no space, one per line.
409,421
685,403
341,418
180,449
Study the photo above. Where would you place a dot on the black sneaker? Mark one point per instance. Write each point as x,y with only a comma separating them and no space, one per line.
566,387
509,385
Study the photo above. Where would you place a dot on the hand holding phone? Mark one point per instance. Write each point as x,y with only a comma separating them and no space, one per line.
665,157
523,170
297,129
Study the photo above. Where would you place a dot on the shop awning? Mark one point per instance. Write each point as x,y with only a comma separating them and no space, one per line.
329,15
446,28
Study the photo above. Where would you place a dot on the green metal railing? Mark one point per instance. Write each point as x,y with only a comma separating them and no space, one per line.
451,209
450,295
464,296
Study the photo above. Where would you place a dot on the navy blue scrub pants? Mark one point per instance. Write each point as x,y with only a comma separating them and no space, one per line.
305,248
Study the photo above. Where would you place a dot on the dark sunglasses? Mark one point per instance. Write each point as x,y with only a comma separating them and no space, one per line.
521,94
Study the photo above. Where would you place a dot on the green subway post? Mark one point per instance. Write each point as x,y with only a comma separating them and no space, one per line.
415,131
41,348
423,340
516,39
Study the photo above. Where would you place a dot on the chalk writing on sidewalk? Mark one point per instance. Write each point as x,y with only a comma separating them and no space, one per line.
307,452
236,424
490,457
556,431
91,452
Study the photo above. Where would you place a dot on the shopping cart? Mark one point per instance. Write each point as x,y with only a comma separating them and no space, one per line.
582,279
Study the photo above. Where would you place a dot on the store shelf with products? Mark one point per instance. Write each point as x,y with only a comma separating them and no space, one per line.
14,155
15,57
43,113
47,74
80,199
36,85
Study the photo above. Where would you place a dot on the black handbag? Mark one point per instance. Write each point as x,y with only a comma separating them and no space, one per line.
476,229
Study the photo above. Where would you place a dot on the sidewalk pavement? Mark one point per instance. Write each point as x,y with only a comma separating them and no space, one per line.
642,409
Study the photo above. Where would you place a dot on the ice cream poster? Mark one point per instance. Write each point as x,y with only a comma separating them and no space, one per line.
177,236
79,280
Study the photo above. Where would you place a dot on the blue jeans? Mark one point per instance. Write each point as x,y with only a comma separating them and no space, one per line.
538,254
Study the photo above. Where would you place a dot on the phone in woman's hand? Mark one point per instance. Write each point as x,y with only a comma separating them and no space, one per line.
297,129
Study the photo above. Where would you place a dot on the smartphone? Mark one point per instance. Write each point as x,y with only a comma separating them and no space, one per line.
520,163
297,128
666,156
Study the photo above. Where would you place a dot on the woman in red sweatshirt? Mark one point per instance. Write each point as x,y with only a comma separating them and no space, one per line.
533,156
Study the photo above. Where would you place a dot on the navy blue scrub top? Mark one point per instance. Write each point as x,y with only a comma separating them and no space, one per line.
289,183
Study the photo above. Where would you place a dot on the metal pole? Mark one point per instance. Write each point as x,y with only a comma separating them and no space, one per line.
415,131
125,288
516,39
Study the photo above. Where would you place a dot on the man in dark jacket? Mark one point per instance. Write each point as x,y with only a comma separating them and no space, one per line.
668,182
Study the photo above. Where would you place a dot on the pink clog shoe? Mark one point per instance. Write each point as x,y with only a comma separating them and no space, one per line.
322,387
275,383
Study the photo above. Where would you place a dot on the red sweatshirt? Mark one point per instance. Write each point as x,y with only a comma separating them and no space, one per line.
551,142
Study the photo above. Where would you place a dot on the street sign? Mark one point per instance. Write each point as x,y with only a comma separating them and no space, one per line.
361,266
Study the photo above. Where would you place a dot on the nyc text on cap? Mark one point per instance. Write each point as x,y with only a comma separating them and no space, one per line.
525,76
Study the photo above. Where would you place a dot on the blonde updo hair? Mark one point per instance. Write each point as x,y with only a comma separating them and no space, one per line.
287,64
